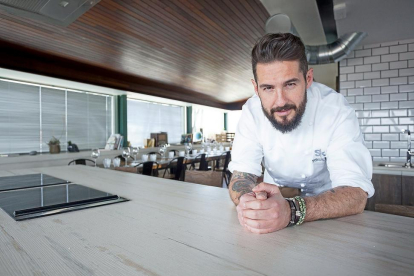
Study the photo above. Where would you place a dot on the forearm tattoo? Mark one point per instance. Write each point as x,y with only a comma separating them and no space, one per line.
241,183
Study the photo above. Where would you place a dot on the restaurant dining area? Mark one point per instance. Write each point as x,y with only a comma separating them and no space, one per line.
194,137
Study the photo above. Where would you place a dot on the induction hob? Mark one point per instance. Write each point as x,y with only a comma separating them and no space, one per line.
44,200
28,180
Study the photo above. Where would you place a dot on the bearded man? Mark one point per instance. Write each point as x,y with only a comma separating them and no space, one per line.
305,136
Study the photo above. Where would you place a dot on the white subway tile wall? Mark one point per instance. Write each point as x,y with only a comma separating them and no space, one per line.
378,82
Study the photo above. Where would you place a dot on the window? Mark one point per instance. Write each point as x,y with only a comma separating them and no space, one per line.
19,117
211,120
233,118
145,118
31,114
88,124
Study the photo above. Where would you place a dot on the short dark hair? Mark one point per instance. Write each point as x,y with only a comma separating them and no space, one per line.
279,47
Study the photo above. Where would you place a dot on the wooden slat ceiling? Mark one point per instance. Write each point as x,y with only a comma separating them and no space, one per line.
190,50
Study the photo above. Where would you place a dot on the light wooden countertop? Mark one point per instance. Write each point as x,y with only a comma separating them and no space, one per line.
178,228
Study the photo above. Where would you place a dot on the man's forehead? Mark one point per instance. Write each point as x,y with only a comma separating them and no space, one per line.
278,70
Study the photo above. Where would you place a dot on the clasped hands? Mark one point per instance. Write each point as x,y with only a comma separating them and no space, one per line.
264,210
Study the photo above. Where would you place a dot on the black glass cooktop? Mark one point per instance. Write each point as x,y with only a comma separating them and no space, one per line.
28,180
53,198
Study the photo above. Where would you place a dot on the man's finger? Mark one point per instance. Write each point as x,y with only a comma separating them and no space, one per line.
248,197
240,217
259,223
259,204
268,188
256,214
258,231
261,195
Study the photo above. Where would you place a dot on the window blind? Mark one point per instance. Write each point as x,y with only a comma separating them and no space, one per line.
88,125
145,118
19,117
31,114
53,117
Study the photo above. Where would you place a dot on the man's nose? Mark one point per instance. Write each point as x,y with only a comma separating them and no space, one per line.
279,98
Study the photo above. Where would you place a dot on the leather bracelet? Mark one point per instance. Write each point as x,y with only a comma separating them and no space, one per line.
297,211
293,211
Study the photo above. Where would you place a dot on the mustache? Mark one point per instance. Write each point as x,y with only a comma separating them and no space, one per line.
282,108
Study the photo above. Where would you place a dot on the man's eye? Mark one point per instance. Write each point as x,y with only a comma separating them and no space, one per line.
290,85
267,88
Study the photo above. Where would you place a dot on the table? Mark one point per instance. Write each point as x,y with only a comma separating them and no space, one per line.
163,162
176,228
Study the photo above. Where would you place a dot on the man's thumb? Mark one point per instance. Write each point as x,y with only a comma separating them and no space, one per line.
268,188
261,195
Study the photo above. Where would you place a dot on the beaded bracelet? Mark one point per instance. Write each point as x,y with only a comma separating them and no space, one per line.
302,209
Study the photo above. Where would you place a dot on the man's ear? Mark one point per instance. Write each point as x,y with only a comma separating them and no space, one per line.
255,87
309,78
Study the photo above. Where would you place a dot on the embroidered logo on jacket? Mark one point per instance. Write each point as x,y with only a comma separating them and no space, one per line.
319,156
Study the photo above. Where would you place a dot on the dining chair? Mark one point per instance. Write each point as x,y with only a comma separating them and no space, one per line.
177,164
226,175
175,152
80,161
172,170
148,168
154,152
226,157
201,158
122,158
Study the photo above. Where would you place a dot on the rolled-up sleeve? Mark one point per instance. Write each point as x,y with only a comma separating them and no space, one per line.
247,152
349,161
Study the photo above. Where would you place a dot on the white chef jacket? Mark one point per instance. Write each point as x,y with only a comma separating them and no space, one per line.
325,151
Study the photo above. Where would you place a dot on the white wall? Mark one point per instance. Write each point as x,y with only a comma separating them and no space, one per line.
378,81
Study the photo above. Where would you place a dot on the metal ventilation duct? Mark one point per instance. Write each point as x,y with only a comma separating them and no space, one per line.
320,54
55,12
336,51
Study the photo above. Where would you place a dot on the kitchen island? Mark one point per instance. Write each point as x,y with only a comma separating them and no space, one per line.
177,228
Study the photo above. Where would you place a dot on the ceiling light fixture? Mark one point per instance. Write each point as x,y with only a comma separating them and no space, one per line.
64,3
340,11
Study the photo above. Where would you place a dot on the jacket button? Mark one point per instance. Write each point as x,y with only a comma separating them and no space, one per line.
303,176
302,184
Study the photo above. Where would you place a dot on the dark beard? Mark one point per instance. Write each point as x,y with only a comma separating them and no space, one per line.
287,126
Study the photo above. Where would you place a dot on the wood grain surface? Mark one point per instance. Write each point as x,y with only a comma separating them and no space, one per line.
401,210
407,190
387,190
194,51
176,228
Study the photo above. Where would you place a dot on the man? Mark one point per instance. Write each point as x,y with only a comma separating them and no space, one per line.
305,135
